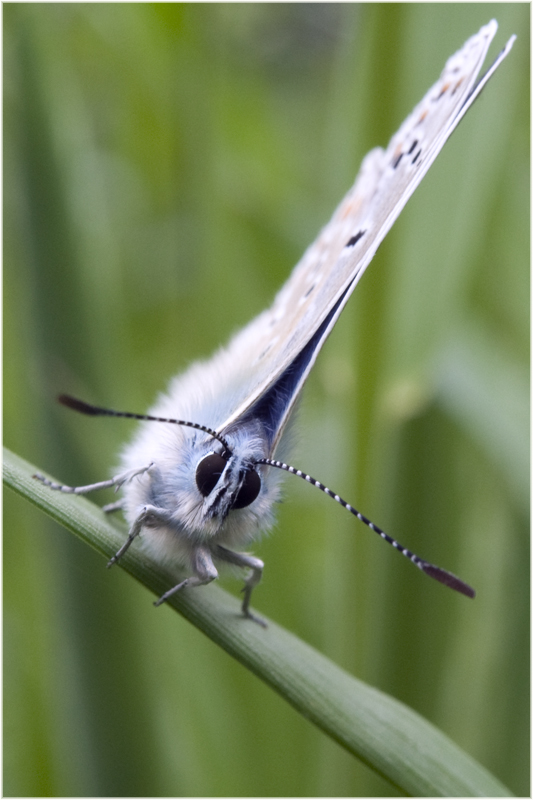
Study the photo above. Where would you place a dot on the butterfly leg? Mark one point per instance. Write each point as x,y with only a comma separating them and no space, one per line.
205,573
255,565
111,507
117,482
151,516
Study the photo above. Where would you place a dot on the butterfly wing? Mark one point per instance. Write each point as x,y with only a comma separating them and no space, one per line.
286,338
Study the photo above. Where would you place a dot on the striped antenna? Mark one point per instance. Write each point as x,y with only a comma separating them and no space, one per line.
95,411
434,572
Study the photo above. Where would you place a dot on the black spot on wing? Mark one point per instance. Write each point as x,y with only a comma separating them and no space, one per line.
351,242
415,159
265,351
459,82
396,163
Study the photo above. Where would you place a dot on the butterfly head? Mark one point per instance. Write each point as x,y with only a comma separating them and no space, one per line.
221,494
227,482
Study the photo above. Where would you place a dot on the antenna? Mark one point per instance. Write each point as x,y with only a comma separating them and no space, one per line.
441,575
434,572
95,411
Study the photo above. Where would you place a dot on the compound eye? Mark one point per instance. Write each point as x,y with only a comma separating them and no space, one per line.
208,472
249,490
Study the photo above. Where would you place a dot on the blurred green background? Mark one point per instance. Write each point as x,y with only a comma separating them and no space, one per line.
165,165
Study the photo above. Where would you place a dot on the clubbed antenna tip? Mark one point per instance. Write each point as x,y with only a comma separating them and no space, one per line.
79,405
448,579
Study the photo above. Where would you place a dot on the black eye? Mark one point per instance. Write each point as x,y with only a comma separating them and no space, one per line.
208,472
249,490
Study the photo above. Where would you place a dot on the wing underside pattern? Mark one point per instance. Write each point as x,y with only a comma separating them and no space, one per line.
281,345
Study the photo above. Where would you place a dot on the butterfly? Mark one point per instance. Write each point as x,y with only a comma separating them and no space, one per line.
202,483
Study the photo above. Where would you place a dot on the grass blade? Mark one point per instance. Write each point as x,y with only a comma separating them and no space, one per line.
386,735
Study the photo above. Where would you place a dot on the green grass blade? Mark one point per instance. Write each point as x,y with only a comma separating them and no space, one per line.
391,739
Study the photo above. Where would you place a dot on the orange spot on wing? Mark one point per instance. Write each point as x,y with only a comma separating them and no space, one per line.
350,208
459,82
